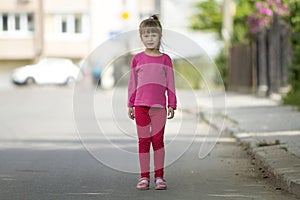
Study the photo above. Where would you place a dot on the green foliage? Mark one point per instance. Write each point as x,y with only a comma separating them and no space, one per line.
209,17
240,28
221,62
243,9
293,97
186,76
240,35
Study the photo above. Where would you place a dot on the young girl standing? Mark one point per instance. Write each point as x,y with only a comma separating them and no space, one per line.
151,99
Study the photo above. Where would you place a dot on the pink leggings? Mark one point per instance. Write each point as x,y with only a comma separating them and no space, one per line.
150,124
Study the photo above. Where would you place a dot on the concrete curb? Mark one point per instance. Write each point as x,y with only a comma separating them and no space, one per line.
279,163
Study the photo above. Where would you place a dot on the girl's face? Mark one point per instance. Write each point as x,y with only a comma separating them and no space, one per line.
151,40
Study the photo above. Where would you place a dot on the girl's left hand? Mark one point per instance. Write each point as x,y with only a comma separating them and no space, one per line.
170,112
131,113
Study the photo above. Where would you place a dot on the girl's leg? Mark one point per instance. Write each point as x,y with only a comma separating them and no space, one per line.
158,121
143,129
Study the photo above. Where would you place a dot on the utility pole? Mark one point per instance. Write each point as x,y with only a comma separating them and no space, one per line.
227,23
228,10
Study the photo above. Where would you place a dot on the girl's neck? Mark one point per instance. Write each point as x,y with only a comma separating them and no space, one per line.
152,52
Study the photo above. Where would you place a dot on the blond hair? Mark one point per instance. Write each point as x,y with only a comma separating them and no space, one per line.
151,25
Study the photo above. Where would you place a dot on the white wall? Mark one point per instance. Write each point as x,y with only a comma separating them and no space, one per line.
106,17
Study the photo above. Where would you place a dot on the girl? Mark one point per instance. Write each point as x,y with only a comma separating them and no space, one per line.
151,78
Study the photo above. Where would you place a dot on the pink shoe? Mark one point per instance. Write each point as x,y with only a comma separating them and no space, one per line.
143,184
160,184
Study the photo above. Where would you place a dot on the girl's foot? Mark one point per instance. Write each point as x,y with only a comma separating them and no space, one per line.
160,184
143,184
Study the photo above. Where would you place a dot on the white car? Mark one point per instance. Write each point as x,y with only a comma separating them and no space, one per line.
47,71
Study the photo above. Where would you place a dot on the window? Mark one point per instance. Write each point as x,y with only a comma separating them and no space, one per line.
78,23
64,24
30,22
71,24
4,22
16,23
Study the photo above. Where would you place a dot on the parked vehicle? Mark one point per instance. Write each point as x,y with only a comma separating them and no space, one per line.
48,71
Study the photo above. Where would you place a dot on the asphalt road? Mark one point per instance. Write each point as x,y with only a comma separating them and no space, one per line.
48,151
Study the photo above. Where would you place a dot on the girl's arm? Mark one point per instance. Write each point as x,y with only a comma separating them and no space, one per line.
132,85
172,100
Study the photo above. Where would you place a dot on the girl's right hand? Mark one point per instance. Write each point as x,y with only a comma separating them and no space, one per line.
170,113
131,113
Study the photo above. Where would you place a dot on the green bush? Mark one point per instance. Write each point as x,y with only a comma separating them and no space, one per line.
186,75
293,97
222,63
209,18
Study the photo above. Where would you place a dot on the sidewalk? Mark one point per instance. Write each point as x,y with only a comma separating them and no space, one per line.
271,132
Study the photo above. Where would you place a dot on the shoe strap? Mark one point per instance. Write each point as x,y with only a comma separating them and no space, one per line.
159,180
143,180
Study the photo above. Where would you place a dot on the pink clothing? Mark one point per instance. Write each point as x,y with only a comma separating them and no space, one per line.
151,78
150,124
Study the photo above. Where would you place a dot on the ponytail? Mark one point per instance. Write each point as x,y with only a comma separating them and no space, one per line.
154,17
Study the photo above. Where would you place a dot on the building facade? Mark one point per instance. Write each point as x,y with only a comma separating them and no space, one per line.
66,29
31,29
21,34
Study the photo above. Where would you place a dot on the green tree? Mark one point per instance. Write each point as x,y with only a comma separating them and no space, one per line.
240,29
209,17
293,97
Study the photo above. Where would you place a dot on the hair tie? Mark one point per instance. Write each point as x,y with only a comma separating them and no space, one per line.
153,17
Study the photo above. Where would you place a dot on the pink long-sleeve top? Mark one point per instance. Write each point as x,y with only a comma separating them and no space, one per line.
151,81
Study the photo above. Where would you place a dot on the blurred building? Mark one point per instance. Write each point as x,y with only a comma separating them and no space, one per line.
31,29
66,28
21,32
